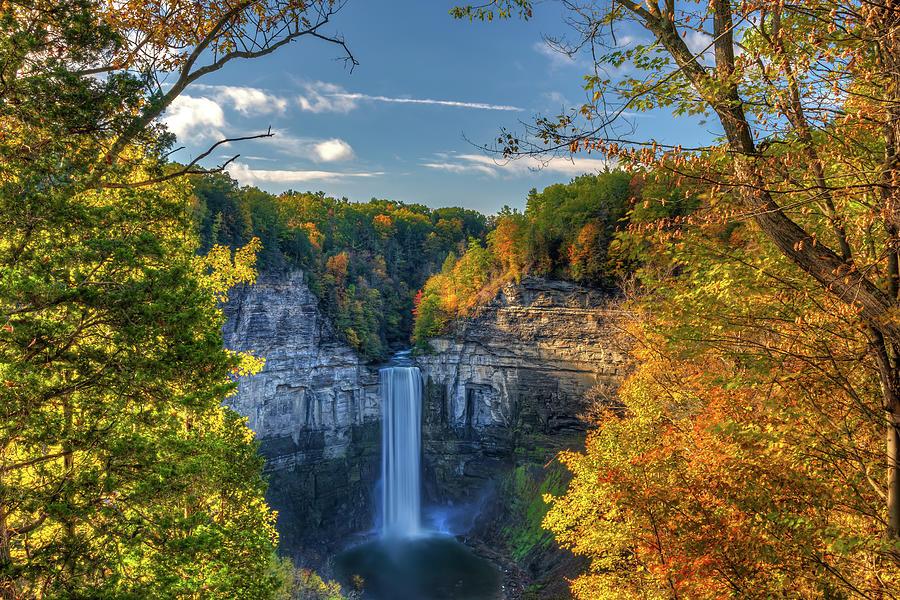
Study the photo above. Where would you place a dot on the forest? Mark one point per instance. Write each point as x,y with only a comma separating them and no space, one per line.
752,448
364,261
582,231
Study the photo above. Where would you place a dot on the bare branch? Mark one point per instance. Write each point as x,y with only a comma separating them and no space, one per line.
188,170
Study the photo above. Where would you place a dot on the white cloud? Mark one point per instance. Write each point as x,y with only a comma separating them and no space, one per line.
462,167
320,97
454,103
700,43
629,39
476,163
194,119
248,100
574,166
317,149
333,149
247,176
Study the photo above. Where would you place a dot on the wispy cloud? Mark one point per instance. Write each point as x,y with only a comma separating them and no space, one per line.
462,166
555,101
454,103
557,59
485,165
249,100
194,120
246,100
320,97
248,176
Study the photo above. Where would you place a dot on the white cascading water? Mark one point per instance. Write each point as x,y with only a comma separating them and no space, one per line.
401,443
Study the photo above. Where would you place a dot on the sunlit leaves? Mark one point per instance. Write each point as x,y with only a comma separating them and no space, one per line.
747,459
564,232
494,9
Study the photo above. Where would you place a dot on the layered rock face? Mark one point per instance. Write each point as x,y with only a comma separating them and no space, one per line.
503,390
315,408
512,378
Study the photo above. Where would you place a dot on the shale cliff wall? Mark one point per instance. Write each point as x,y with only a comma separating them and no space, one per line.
315,409
513,379
502,395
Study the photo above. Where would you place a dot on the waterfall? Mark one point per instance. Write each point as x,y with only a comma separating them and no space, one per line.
401,448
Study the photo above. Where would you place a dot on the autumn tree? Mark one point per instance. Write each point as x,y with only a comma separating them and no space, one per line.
587,253
742,458
508,241
806,96
121,476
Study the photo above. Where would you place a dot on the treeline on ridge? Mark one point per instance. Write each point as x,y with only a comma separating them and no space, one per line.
385,271
580,231
364,261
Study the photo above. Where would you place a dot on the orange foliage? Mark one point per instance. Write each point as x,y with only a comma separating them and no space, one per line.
383,225
704,492
587,253
336,266
507,242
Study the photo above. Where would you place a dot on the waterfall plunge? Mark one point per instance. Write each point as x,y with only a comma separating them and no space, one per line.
401,448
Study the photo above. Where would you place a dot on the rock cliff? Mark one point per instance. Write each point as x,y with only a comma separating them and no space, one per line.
315,409
503,393
515,374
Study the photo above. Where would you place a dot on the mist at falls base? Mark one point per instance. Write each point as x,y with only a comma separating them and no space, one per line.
407,561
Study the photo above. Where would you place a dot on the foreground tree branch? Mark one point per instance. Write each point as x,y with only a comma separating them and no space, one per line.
820,84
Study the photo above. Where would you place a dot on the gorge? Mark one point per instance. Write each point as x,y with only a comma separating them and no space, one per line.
500,395
272,333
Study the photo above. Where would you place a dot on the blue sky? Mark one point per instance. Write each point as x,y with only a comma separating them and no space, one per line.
397,126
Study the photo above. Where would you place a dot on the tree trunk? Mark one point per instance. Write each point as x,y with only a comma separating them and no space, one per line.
892,531
890,390
835,274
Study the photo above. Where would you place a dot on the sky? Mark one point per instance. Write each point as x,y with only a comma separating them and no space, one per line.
406,123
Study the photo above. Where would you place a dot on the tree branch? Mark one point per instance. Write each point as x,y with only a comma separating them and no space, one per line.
187,170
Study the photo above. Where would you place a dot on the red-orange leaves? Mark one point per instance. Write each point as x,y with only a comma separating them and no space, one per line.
704,491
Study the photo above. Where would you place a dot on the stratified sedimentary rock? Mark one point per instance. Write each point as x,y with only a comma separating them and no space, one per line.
520,367
510,378
315,408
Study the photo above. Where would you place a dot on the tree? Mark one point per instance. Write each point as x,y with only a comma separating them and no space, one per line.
742,459
807,98
120,473
120,469
508,243
587,253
